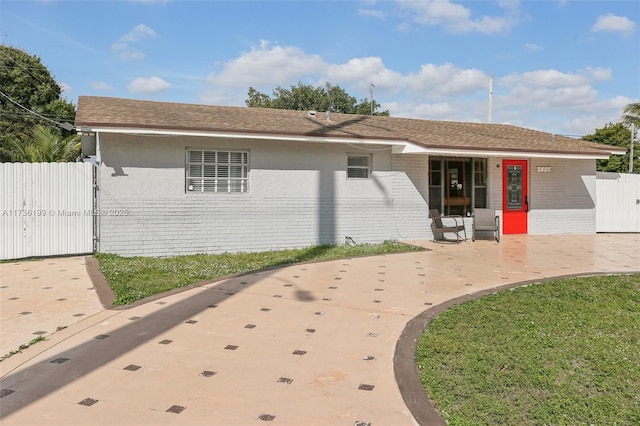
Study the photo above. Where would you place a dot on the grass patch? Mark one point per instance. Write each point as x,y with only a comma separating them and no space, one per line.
134,278
565,352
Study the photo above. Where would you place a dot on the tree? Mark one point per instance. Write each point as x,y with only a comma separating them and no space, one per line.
617,135
45,145
29,95
257,99
306,97
632,115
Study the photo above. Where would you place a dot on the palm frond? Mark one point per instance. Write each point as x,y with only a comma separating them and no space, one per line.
632,114
43,145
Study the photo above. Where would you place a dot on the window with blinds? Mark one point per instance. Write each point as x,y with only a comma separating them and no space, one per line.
217,171
358,166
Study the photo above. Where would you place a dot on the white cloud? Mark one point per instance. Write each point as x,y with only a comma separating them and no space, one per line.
138,33
532,47
551,78
615,24
600,113
548,90
268,64
362,71
100,85
551,100
598,73
444,81
148,85
618,103
124,47
545,99
456,18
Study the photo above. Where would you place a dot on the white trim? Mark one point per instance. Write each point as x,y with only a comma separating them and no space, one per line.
261,136
397,146
499,154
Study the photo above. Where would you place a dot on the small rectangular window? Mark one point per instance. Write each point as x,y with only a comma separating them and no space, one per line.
358,166
217,171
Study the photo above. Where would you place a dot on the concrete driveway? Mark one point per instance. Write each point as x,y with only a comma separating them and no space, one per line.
301,345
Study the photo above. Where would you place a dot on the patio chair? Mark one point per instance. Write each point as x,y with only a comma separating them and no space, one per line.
450,224
485,220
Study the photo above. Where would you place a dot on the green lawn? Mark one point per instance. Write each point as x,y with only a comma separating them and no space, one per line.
565,352
134,278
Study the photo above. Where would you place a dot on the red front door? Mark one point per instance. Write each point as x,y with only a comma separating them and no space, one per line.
515,199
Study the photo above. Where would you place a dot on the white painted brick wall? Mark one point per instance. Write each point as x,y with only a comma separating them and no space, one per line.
563,200
411,195
299,196
289,205
206,225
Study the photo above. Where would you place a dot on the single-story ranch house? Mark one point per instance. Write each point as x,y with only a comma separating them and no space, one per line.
179,178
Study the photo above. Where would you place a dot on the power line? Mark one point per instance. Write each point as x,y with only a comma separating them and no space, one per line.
17,113
13,112
65,125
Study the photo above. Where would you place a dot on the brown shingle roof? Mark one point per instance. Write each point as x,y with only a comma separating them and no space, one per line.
136,114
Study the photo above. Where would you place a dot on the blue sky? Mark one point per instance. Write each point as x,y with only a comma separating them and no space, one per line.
562,66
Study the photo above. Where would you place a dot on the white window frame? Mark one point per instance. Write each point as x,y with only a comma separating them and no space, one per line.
216,171
354,168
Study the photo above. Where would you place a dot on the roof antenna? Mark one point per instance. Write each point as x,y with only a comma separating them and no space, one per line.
371,86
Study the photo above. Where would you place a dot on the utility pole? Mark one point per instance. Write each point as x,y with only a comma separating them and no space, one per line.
633,138
490,97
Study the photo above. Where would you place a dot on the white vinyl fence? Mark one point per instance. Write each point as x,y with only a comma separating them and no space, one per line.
46,209
618,202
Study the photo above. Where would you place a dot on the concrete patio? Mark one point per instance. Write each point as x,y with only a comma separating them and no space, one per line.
301,345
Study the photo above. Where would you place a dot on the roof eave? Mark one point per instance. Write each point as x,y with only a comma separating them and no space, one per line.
154,131
491,153
399,146
457,151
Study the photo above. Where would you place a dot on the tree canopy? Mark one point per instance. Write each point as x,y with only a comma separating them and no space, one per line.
632,115
29,96
617,135
304,97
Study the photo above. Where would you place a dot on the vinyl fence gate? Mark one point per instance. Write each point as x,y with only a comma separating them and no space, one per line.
617,202
46,209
